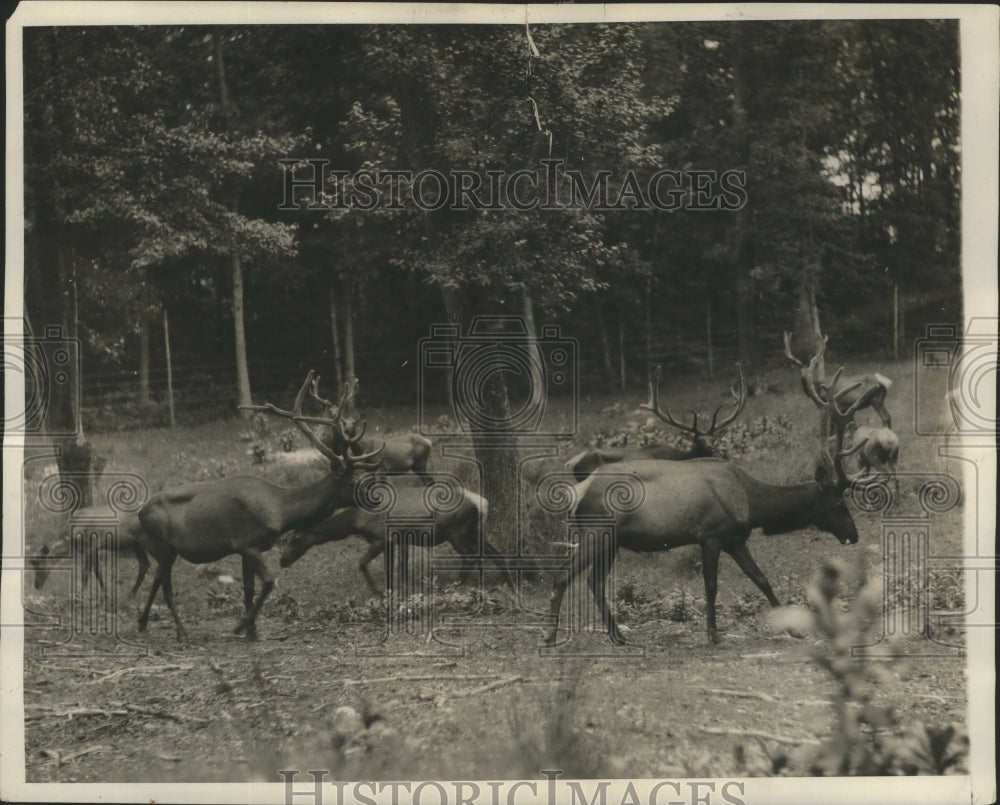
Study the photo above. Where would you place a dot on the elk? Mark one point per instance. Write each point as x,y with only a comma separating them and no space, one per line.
869,390
408,453
245,515
706,502
703,444
130,538
880,452
459,528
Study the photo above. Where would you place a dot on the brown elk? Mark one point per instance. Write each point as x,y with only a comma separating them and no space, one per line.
459,528
870,390
703,442
880,452
706,502
130,539
245,515
408,453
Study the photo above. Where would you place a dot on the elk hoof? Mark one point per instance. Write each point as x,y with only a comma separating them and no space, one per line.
713,636
142,625
550,638
617,638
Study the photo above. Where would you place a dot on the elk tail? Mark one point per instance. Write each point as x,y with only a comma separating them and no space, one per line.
885,381
580,489
423,440
571,464
481,503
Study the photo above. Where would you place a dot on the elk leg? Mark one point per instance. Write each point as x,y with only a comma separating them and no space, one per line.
710,570
602,567
741,554
168,595
144,615
883,412
248,585
374,549
253,563
143,560
96,559
576,565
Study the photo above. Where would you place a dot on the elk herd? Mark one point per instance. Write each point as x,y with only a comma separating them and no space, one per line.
690,497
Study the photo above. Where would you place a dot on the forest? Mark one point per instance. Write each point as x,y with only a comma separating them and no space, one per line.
157,160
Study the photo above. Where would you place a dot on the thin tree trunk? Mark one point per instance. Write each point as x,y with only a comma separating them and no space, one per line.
349,362
170,368
242,372
745,257
708,334
895,321
621,355
649,329
79,464
807,335
602,329
338,363
144,398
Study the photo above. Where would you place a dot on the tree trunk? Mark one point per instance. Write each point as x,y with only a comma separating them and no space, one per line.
349,363
621,355
170,368
242,372
602,329
537,379
746,291
79,464
807,336
144,398
338,364
496,450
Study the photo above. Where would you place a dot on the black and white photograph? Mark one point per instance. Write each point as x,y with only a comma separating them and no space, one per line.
497,404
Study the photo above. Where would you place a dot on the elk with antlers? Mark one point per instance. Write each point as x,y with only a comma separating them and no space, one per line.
408,453
703,442
130,540
869,391
706,502
245,515
459,527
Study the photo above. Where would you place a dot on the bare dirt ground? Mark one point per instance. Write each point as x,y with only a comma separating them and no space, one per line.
224,709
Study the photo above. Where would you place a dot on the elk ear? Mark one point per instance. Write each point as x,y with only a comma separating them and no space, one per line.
822,476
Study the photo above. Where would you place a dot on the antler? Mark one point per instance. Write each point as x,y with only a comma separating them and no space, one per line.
843,479
654,406
362,460
314,393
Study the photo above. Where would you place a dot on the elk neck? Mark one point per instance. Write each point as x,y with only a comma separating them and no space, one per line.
778,509
304,506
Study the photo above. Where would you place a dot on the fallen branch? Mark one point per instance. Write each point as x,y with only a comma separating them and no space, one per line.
133,708
510,680
144,670
419,678
758,734
741,694
59,759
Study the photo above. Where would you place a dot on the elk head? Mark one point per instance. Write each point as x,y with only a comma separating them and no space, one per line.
345,454
833,515
704,440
